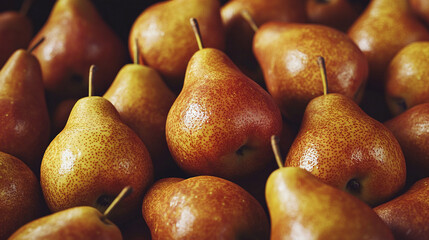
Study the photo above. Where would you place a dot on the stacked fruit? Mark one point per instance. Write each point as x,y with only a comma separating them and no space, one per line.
186,142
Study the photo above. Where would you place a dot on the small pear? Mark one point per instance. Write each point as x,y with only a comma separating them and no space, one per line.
20,195
407,215
343,147
93,158
24,118
384,28
221,122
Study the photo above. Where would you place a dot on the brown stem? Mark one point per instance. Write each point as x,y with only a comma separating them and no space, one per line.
196,29
91,78
246,15
123,194
322,67
276,150
30,50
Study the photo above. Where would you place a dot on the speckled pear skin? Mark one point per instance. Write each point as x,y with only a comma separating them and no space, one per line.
411,130
407,77
96,154
203,207
399,27
301,207
287,53
407,215
222,121
20,195
143,101
24,118
166,40
81,222
338,142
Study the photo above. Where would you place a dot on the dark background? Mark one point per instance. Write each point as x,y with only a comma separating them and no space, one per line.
118,14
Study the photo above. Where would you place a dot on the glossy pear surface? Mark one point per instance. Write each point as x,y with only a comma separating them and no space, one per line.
93,159
411,130
16,31
302,207
203,207
384,28
24,118
75,38
73,223
222,121
20,195
407,215
166,40
287,53
407,78
345,148
143,101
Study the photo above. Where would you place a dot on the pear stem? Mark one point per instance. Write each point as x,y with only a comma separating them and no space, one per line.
249,19
90,80
30,50
276,150
123,194
197,32
25,7
136,51
322,67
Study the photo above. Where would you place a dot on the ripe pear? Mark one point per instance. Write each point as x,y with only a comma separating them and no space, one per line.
407,215
203,207
285,52
345,148
81,222
166,41
24,119
410,128
302,207
20,195
384,28
239,34
222,121
143,101
93,158
76,37
407,78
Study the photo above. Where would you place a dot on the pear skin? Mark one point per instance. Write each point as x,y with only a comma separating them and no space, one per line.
20,195
93,158
77,37
222,121
166,41
407,215
345,148
203,207
143,101
384,28
24,117
302,207
421,8
74,223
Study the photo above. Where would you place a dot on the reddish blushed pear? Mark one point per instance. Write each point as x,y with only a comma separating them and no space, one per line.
77,37
421,8
166,41
203,207
384,28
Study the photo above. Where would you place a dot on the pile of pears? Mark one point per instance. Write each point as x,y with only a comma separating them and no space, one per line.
209,119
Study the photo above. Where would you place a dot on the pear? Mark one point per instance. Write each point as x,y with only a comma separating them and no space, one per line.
406,78
166,41
20,195
285,50
221,122
410,128
81,222
203,207
384,28
343,147
421,8
76,37
24,117
93,158
143,101
407,215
